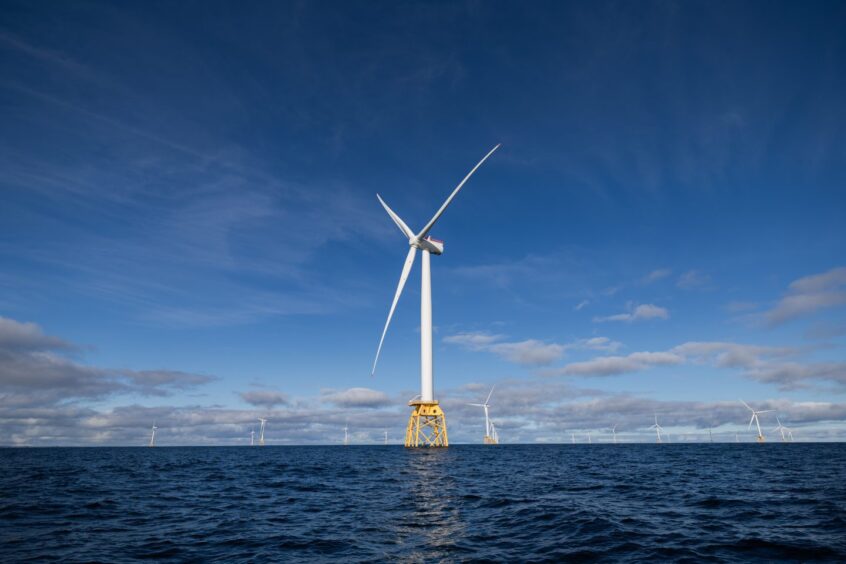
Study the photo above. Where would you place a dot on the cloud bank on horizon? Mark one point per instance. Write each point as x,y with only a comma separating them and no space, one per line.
189,232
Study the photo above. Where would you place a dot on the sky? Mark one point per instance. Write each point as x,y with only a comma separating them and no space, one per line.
190,235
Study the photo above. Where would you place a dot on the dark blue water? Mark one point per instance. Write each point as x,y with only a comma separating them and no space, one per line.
515,503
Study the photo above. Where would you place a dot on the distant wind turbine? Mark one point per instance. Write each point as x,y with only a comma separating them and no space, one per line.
710,436
658,428
785,432
755,420
346,435
589,441
614,432
386,437
489,432
261,431
573,438
252,436
153,436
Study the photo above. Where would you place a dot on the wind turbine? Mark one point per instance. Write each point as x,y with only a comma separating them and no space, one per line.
252,436
153,435
658,428
346,435
386,438
710,436
573,438
490,438
614,431
755,420
590,442
261,431
427,418
783,429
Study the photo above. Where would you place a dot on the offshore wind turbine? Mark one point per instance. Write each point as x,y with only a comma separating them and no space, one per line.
785,432
252,436
346,435
658,428
755,420
573,438
153,435
261,431
590,442
386,438
614,432
427,424
490,434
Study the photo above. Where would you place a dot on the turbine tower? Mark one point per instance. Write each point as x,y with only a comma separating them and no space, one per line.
153,436
614,432
490,433
427,424
755,420
261,431
658,428
573,438
346,435
252,436
386,438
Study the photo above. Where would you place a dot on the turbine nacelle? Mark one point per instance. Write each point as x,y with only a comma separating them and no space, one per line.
434,246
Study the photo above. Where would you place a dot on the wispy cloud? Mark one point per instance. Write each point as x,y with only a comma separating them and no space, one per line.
356,397
265,398
768,364
810,294
36,371
693,280
656,275
530,352
613,365
637,313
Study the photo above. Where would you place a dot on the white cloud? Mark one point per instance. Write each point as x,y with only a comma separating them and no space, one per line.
581,305
693,279
656,275
810,294
640,312
530,351
613,365
265,398
356,397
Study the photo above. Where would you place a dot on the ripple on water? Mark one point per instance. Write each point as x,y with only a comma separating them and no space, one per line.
521,503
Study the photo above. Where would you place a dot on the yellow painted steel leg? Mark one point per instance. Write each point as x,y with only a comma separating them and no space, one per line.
426,426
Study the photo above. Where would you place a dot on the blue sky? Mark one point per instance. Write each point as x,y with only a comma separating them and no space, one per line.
189,230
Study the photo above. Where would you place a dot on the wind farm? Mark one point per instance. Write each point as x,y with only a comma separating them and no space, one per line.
404,281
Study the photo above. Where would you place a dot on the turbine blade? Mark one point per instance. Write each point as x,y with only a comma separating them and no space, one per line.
489,394
766,411
406,269
397,219
747,405
425,230
751,421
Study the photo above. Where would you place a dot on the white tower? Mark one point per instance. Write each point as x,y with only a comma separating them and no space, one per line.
261,431
153,436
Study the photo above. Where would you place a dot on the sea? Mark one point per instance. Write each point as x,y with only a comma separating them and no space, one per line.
467,503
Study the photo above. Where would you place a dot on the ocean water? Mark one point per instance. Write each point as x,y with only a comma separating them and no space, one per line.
634,502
